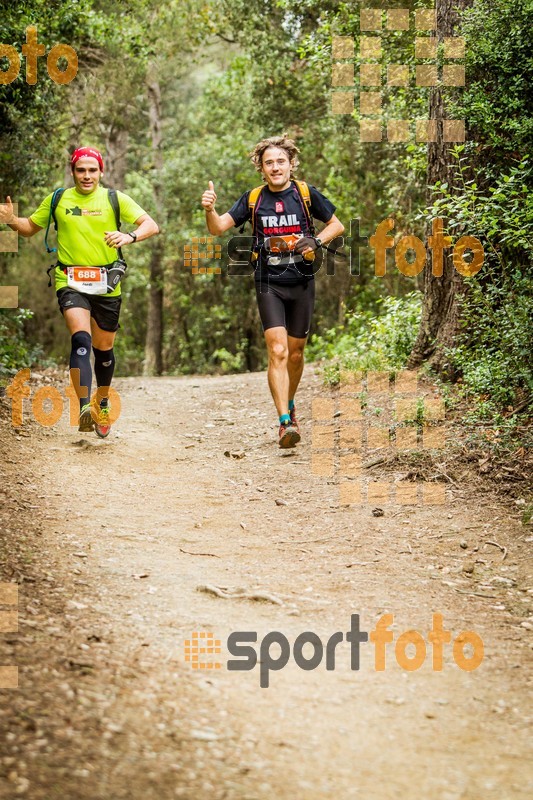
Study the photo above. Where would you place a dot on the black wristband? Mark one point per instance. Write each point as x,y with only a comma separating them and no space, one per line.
133,235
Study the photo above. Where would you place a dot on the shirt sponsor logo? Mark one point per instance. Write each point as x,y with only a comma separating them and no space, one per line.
83,212
286,223
279,207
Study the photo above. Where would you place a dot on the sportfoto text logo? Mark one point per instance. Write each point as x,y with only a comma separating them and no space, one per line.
47,402
372,78
31,51
409,252
309,651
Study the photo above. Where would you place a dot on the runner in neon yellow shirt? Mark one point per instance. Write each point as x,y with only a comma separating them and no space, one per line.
82,224
87,241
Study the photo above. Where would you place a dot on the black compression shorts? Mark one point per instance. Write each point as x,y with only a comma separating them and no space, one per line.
287,305
104,310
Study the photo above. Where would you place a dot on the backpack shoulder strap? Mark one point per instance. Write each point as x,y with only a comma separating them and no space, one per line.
304,191
56,197
305,194
254,196
253,199
115,205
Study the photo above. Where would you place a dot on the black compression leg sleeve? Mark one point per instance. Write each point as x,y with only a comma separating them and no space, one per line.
104,367
80,358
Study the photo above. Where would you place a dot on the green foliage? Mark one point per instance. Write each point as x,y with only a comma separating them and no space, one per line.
15,353
497,207
499,77
244,70
222,89
493,353
30,115
370,342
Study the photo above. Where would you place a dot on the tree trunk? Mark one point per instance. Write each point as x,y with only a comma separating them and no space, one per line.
73,142
153,353
116,148
440,320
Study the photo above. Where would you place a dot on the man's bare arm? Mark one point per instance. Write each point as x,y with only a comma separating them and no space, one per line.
146,227
333,228
216,224
24,226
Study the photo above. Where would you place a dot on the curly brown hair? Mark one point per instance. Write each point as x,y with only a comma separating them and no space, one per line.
283,142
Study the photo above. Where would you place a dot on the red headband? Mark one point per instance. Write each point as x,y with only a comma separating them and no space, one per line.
84,152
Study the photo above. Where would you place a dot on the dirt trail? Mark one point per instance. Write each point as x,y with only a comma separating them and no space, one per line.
115,537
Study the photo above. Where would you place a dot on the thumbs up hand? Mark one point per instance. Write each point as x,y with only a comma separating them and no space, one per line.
209,197
6,212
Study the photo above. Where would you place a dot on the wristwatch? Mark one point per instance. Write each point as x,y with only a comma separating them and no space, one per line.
318,241
133,235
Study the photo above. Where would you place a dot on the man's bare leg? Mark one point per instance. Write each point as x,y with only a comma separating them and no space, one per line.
278,376
279,382
295,363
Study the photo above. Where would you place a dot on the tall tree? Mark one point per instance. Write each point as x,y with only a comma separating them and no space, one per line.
153,358
440,320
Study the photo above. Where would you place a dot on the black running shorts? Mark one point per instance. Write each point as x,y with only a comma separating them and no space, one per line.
104,310
287,305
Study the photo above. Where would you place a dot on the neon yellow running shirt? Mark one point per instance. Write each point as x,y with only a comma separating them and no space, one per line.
82,220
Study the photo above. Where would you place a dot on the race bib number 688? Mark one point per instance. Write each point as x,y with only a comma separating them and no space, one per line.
89,280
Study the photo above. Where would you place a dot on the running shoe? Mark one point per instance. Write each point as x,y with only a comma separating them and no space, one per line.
294,421
288,435
102,425
86,421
